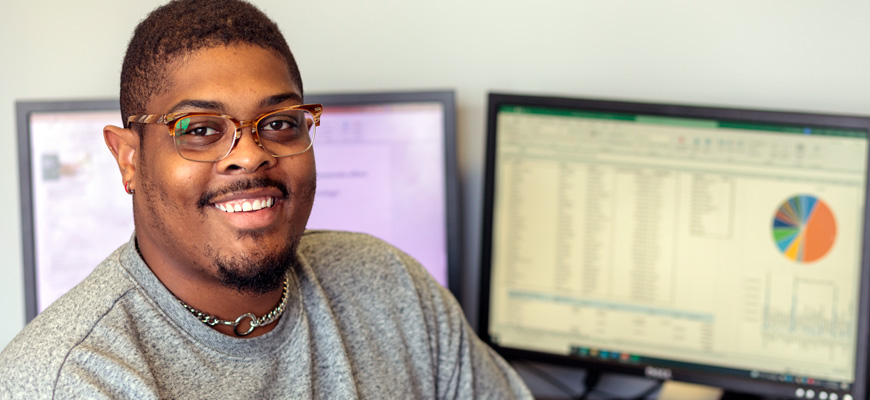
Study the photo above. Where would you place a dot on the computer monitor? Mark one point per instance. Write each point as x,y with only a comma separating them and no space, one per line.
716,246
386,165
74,211
385,161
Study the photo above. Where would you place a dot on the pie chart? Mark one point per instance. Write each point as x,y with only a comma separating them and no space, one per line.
804,228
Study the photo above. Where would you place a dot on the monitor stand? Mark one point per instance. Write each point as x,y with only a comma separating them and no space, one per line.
739,396
672,390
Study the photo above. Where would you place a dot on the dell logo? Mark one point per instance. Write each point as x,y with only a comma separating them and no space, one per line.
658,373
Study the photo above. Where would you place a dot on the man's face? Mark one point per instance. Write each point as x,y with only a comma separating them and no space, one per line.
176,201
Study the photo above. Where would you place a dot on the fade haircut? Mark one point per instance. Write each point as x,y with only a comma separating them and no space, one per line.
181,27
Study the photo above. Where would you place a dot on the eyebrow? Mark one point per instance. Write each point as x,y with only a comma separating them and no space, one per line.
277,99
218,106
197,104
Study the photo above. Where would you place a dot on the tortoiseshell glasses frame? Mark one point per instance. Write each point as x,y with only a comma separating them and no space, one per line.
203,137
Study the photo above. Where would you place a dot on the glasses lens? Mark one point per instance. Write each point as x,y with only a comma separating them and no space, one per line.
286,133
203,137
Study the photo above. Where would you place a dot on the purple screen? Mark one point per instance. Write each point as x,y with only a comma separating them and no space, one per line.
380,170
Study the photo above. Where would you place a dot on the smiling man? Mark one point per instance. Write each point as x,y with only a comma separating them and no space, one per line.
220,203
220,292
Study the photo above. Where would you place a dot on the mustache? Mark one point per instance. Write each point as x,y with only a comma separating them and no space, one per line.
254,183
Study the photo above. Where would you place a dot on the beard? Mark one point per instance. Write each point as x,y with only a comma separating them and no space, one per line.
257,273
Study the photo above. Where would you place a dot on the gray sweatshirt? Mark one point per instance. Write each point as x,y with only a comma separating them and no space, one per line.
363,320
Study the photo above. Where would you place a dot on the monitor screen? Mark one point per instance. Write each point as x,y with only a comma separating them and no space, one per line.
715,246
385,161
386,166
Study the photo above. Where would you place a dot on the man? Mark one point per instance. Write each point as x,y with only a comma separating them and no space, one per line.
219,293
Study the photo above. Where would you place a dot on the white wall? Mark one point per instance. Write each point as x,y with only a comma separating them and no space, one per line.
784,54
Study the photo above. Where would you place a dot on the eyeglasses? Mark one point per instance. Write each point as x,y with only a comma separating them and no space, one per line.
205,137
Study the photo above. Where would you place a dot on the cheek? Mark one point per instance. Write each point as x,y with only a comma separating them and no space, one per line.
303,174
306,173
186,181
174,183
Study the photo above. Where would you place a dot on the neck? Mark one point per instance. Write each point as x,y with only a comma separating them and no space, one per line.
204,292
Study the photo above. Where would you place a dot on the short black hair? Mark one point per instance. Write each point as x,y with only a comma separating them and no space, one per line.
181,27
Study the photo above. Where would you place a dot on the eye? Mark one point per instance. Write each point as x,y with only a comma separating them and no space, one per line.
192,126
202,131
279,123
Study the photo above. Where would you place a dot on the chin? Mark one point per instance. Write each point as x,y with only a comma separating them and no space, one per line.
253,263
256,273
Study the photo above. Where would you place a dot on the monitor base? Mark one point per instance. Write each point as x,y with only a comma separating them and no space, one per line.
672,390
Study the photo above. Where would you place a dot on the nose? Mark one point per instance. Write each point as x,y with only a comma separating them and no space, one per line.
246,156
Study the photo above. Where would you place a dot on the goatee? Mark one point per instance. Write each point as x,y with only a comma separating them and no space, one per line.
257,276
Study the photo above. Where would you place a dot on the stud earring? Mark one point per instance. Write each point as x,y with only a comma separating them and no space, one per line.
127,188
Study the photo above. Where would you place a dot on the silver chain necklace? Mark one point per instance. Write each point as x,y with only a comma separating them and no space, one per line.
266,319
211,320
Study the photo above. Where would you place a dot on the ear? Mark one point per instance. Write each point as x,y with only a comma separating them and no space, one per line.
124,144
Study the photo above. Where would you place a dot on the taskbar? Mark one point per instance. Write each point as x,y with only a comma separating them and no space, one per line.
629,359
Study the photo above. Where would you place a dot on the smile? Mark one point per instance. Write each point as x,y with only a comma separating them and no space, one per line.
245,205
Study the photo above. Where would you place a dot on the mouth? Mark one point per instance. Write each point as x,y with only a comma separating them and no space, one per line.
250,210
246,205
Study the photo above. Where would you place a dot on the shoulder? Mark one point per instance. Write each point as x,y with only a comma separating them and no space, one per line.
363,274
360,257
383,297
331,246
31,363
335,253
355,265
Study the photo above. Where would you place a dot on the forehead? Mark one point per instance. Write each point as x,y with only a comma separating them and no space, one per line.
239,76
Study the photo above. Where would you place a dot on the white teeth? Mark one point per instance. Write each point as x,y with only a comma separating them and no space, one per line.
254,205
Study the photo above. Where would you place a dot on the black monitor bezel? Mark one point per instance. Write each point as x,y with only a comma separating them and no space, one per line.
726,382
24,109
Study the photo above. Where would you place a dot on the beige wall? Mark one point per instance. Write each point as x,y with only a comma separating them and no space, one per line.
783,54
